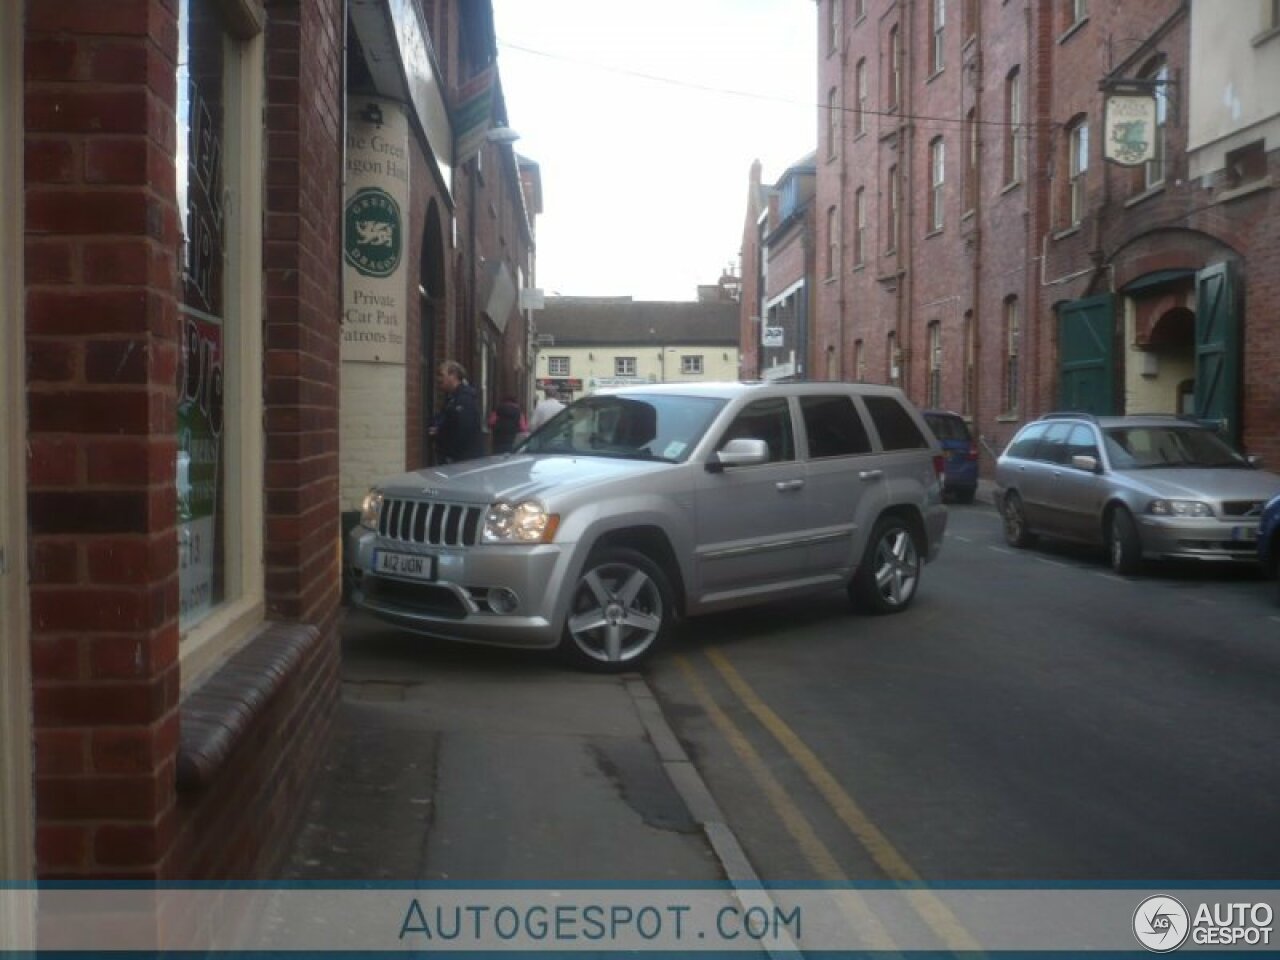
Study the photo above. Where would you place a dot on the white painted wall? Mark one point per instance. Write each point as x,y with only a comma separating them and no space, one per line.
371,429
1233,90
654,364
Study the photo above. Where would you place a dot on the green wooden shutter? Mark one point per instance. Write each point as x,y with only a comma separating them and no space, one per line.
1086,355
1217,391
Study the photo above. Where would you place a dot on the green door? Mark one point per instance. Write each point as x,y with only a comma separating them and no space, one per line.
1217,396
1086,355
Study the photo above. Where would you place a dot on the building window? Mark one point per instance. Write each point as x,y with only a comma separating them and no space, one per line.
895,68
833,26
691,365
895,198
860,93
937,29
219,410
859,361
937,180
833,242
935,364
859,10
859,226
1013,343
970,147
1077,168
1157,74
624,366
558,366
1013,126
833,121
891,356
970,381
1076,11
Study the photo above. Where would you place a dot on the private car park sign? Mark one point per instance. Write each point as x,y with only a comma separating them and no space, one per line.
374,285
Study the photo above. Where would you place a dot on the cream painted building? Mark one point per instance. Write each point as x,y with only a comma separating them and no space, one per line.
586,343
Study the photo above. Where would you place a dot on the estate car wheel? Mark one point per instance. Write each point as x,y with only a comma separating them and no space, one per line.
887,578
1016,531
1126,548
619,612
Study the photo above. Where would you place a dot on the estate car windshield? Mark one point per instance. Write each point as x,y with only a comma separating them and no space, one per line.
659,427
1137,448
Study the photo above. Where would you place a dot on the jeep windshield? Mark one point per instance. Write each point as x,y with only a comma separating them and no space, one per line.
658,427
1139,448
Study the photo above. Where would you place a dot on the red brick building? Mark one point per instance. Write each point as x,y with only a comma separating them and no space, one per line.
171,449
991,260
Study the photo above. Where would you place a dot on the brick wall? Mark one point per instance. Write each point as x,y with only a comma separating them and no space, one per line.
102,244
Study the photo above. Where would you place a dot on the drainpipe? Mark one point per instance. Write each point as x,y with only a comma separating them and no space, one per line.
906,146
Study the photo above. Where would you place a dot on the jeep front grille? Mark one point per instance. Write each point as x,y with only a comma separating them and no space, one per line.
430,523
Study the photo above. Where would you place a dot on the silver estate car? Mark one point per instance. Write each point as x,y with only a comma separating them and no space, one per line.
634,507
1142,486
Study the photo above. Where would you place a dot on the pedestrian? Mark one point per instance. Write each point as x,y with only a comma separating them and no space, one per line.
506,422
547,408
456,429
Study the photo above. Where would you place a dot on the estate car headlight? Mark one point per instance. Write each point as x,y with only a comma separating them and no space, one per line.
1179,508
370,509
523,522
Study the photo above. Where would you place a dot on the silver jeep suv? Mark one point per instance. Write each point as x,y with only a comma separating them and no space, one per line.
634,507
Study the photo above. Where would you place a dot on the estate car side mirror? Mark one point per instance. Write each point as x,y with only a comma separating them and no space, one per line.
1083,461
739,452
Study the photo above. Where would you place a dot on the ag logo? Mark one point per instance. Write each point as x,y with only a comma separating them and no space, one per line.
1161,923
373,238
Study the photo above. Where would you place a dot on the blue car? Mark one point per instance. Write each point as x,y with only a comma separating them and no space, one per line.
1269,540
960,473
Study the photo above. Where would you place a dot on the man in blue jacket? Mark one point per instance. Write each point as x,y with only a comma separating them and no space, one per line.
457,428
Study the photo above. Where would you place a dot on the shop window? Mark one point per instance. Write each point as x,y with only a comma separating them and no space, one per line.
219,412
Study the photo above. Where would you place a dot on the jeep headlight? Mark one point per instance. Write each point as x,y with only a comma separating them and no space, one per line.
1179,508
370,509
524,522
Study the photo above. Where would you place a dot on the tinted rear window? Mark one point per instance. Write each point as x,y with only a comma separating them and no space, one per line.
834,427
947,428
897,428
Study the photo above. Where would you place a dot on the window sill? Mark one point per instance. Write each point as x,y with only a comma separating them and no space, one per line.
1265,35
1008,418
1072,30
969,214
934,233
1146,194
219,714
1226,196
935,75
1071,231
861,134
859,267
829,279
1010,187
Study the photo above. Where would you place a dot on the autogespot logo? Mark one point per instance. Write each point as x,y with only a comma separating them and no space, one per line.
1161,923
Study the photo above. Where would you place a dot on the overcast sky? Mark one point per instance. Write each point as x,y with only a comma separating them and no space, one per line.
645,118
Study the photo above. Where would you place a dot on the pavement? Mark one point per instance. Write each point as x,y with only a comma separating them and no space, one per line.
467,765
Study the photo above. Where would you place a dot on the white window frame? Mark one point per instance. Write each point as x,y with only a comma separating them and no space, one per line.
1013,125
558,366
1012,351
242,610
1154,170
937,49
833,122
833,242
937,182
691,364
1077,170
624,366
895,208
895,67
859,226
860,92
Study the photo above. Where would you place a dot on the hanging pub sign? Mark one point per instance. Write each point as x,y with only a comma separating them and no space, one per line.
1129,134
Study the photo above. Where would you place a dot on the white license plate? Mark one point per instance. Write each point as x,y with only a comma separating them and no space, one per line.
1244,533
412,566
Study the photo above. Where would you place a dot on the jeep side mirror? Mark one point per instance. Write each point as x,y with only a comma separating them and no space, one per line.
739,452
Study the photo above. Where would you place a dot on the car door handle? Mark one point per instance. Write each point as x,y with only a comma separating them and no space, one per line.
784,485
870,474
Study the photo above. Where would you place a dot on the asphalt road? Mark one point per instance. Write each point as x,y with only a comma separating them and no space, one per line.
1031,718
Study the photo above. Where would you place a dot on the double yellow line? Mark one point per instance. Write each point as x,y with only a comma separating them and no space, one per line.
894,866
